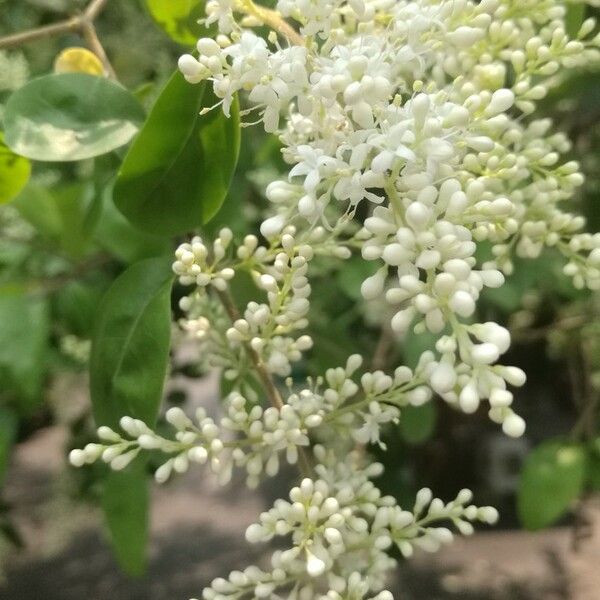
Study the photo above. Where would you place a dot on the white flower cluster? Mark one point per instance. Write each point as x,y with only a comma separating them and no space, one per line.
338,524
279,270
419,112
264,325
412,107
193,267
253,438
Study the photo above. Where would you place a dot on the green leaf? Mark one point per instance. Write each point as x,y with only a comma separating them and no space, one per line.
24,333
125,502
8,432
37,206
73,202
130,344
63,214
593,466
128,365
593,474
552,477
575,17
116,235
176,174
414,344
179,19
14,172
417,423
70,116
75,304
352,274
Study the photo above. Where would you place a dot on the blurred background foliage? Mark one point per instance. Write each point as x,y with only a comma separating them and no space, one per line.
63,242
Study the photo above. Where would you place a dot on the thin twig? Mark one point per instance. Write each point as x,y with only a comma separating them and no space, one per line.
89,34
82,24
526,334
265,377
94,8
71,25
270,18
382,350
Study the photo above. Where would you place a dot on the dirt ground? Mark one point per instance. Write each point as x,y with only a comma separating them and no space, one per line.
197,534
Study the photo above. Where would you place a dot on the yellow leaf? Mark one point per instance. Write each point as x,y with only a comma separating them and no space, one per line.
14,172
78,60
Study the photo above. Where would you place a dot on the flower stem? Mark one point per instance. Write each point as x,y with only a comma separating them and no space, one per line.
264,375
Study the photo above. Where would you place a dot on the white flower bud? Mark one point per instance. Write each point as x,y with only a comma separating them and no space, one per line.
272,226
314,566
208,47
372,287
469,399
485,354
513,426
191,69
443,378
462,303
418,215
514,376
501,101
77,458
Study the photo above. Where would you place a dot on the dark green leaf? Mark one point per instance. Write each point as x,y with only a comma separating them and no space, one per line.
593,474
70,116
417,423
176,174
552,477
8,431
130,345
125,502
593,466
128,365
179,19
14,172
24,331
75,305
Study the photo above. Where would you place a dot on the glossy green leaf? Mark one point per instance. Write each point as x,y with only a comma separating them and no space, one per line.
176,174
120,238
8,432
130,344
417,423
70,116
179,19
552,477
125,502
14,172
24,333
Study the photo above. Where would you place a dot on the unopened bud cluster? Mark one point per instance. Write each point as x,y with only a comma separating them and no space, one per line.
340,521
